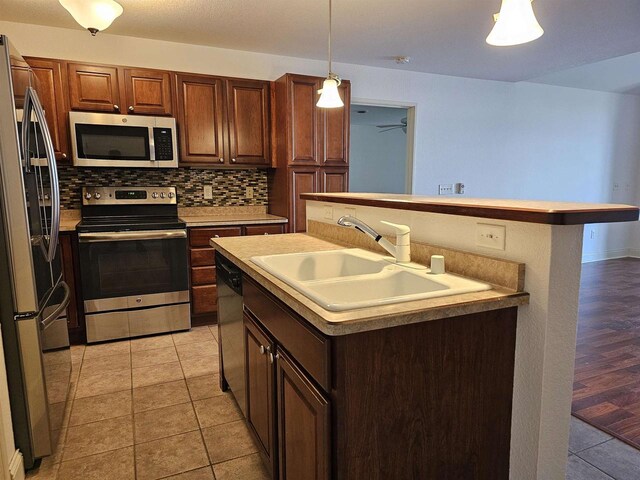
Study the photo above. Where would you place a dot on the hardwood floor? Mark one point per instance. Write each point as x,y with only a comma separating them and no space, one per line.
606,388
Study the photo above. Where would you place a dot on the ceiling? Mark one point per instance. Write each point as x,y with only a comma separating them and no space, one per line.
441,36
376,115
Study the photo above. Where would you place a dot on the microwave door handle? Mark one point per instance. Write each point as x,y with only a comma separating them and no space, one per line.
26,130
53,171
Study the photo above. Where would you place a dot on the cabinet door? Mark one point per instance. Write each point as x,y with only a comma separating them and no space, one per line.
303,180
303,425
259,356
94,88
148,92
336,130
200,116
304,116
334,180
248,114
20,77
66,257
50,89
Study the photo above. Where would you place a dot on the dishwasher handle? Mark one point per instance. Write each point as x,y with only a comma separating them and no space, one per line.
229,273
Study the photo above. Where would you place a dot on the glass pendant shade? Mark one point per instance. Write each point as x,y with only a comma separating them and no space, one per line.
94,15
516,24
329,95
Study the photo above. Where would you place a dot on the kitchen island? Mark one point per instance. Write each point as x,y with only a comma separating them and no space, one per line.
418,389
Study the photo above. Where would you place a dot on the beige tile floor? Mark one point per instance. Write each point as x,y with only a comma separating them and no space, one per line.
151,408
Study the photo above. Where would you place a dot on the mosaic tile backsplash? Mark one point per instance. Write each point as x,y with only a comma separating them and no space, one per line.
229,186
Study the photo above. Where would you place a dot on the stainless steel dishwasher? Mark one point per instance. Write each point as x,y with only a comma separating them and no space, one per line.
231,335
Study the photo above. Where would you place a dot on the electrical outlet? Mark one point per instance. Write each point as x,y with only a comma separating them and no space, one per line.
328,212
445,189
350,211
208,192
458,188
249,192
491,236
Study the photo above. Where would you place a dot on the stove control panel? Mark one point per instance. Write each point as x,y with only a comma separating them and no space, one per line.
129,196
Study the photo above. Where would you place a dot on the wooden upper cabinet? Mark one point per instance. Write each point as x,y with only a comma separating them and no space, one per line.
334,180
336,129
51,87
304,116
20,77
303,180
201,117
303,425
94,88
148,92
248,119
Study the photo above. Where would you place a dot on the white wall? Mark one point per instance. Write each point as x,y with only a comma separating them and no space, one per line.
500,139
377,161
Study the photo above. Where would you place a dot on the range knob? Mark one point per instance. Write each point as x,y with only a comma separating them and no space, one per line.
162,195
97,196
171,194
87,196
154,195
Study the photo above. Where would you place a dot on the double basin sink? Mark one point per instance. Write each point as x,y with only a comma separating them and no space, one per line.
352,278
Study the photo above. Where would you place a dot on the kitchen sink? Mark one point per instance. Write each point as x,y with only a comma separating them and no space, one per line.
352,278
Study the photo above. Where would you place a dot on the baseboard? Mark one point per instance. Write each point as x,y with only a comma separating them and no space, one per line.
16,466
610,254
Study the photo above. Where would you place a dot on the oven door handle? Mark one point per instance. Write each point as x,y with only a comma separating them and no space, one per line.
131,236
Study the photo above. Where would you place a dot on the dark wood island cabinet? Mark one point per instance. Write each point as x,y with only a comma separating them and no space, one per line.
428,400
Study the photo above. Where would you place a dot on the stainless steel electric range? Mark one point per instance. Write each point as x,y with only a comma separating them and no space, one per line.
133,262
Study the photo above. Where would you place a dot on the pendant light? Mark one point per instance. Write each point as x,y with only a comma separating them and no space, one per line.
94,15
329,95
515,24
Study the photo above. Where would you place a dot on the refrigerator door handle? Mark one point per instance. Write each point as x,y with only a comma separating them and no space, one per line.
26,130
44,323
32,101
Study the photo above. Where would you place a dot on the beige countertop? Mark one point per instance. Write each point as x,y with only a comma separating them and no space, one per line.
241,249
233,219
529,211
198,217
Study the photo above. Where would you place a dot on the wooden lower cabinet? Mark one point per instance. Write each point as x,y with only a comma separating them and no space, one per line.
429,401
260,382
303,424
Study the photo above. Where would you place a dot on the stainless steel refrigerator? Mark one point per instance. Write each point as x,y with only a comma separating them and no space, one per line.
33,295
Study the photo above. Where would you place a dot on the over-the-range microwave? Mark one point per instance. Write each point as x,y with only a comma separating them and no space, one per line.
110,140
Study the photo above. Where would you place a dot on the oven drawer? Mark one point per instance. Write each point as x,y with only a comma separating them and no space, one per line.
134,323
203,275
202,257
204,298
199,237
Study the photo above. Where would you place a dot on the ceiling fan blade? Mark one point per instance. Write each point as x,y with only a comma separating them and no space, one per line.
395,127
391,125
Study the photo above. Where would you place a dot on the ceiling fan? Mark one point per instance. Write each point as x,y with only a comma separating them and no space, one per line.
393,126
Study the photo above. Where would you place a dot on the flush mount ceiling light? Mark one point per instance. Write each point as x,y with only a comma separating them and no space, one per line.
515,24
402,59
329,95
94,15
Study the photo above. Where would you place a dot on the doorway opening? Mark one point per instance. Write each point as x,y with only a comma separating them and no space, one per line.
381,148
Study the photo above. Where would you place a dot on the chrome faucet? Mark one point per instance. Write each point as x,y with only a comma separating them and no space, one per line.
401,251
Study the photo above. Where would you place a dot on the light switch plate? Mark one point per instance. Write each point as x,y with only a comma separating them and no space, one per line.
491,236
328,212
350,211
208,192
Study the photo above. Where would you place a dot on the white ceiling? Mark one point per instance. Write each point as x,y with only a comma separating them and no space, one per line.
442,36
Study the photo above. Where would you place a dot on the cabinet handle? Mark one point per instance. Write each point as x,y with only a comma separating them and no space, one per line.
261,349
216,236
116,107
233,160
130,108
221,160
64,155
271,357
266,233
